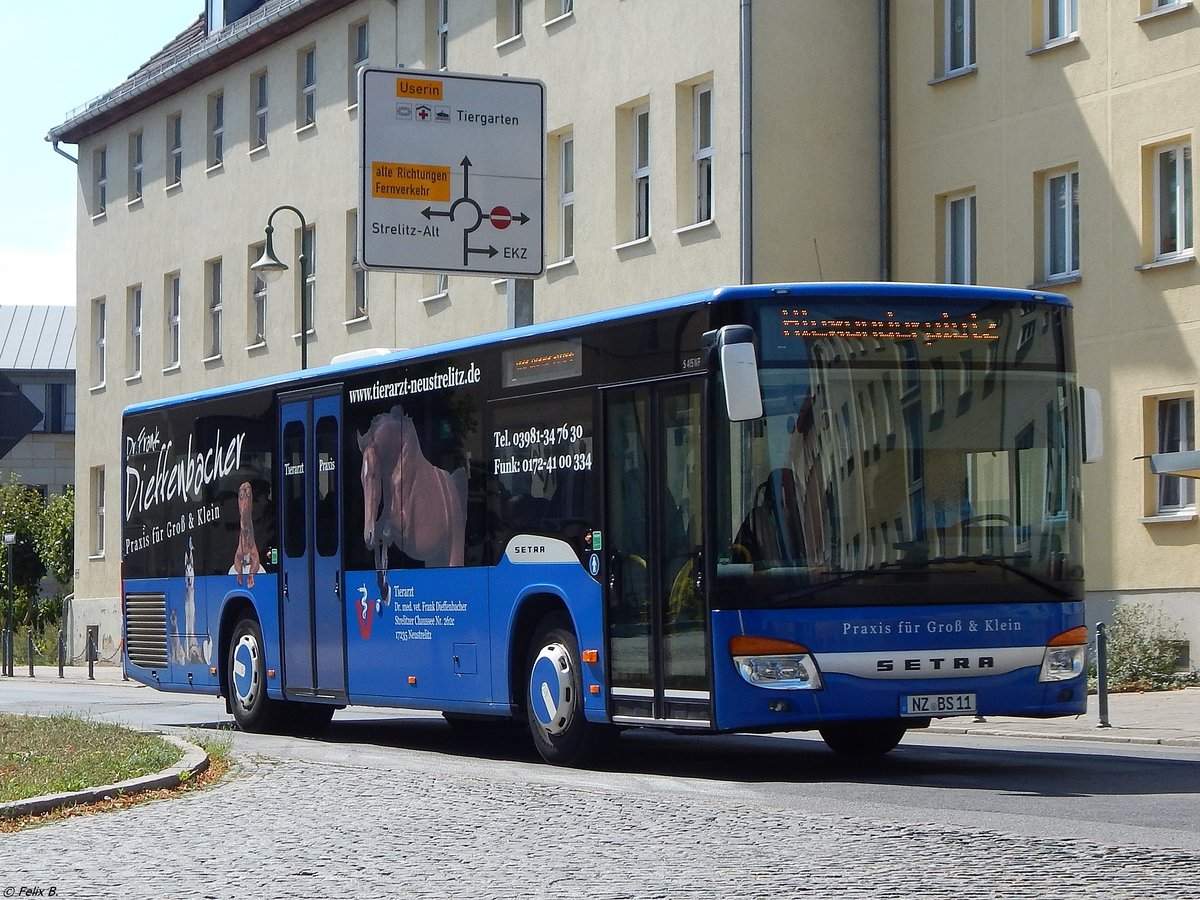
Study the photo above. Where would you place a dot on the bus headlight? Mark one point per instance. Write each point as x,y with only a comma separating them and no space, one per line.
775,664
1065,656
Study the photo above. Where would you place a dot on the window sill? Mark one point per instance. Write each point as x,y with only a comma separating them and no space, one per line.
215,169
1054,44
136,378
135,203
637,242
1181,518
296,335
1163,11
173,188
1055,281
562,263
96,557
171,369
257,345
352,107
559,20
211,360
98,388
304,129
956,74
698,226
432,297
359,319
1185,258
509,42
260,150
99,217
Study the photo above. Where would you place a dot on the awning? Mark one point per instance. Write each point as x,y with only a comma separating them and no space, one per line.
1182,462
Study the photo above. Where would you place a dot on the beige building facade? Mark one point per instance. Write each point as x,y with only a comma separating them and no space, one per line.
688,144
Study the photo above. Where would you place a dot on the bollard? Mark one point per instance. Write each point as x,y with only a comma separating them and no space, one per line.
30,651
91,654
62,653
5,645
1102,673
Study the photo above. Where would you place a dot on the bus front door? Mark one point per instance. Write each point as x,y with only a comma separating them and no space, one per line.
658,636
312,612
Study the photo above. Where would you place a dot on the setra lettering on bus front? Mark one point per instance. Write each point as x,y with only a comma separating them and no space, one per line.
936,664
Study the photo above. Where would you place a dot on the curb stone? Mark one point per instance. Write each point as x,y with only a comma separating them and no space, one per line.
195,760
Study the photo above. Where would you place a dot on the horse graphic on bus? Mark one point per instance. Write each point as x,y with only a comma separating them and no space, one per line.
408,501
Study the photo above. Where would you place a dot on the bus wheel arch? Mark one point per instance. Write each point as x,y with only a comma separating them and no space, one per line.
245,669
530,614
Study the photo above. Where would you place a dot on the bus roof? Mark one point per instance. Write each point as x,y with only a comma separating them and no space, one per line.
728,293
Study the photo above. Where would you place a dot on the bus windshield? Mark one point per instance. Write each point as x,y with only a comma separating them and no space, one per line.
918,453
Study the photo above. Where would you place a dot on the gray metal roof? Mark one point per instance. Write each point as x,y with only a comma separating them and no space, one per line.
37,338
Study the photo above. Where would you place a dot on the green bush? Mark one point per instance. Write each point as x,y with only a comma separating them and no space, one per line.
1142,650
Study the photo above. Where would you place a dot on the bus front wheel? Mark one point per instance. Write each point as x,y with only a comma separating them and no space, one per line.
252,709
554,694
862,739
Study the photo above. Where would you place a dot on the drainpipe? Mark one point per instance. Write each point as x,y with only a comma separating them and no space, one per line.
64,153
747,146
885,143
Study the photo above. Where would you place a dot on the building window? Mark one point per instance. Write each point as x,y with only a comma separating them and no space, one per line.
566,196
258,128
1062,19
216,130
641,172
1062,225
359,50
356,292
215,306
100,183
135,331
509,23
308,289
1175,432
258,299
702,152
174,150
959,36
558,9
960,239
1173,201
98,335
306,100
443,34
171,319
97,486
136,166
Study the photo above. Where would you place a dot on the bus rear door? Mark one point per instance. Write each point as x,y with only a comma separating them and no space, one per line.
658,635
312,610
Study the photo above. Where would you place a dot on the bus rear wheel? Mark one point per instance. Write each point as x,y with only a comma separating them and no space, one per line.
252,709
862,739
554,695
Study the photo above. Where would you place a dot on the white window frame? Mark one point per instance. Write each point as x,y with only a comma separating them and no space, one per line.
100,182
359,54
216,130
702,150
964,45
306,107
100,339
175,150
261,109
443,34
1061,230
1060,20
566,196
308,289
640,118
960,259
136,166
1179,158
1175,494
258,300
172,320
97,484
358,287
216,306
135,331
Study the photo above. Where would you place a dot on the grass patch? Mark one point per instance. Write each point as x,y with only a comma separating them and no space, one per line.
54,754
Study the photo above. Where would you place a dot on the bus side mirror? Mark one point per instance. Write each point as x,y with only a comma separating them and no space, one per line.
1093,424
739,372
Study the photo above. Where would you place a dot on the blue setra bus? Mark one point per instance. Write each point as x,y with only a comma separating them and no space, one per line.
844,507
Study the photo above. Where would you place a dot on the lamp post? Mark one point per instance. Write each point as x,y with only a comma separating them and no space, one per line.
10,542
269,266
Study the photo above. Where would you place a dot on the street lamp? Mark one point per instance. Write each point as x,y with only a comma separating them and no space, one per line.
269,265
10,541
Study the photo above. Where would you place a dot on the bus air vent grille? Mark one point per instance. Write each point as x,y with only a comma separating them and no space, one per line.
146,629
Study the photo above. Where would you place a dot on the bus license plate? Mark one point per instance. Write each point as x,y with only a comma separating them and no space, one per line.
937,705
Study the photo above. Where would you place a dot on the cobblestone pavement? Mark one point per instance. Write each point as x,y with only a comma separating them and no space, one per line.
412,828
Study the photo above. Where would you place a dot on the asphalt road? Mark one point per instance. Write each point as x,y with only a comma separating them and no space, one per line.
389,805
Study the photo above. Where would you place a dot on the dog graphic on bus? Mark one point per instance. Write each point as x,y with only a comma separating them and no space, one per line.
407,500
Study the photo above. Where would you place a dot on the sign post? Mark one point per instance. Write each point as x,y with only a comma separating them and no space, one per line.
452,173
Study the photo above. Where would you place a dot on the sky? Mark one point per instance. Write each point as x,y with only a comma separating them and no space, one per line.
55,57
